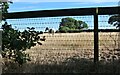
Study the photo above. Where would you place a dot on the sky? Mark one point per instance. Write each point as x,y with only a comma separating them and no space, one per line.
33,5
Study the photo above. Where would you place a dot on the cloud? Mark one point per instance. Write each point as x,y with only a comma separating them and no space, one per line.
95,1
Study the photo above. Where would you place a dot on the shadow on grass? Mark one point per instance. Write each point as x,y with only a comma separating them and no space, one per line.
70,65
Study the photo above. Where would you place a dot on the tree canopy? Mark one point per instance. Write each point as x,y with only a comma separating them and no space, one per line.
115,20
71,24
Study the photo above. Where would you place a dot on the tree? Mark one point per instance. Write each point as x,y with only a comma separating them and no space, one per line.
115,20
69,24
15,42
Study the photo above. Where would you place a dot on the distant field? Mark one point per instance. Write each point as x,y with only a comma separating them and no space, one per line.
71,53
64,45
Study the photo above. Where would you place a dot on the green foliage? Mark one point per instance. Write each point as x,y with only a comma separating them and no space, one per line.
5,7
14,42
64,29
69,24
115,20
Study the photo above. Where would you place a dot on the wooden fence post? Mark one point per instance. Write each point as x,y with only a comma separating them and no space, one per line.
96,38
0,52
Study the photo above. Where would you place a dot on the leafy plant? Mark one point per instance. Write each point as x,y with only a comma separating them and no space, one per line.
15,42
115,20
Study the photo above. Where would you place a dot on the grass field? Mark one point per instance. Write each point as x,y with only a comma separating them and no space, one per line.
73,52
75,44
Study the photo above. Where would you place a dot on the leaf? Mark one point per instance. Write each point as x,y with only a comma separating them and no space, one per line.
41,32
39,43
32,28
28,27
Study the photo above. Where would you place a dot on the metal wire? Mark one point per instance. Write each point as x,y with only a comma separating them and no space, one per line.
42,23
82,42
